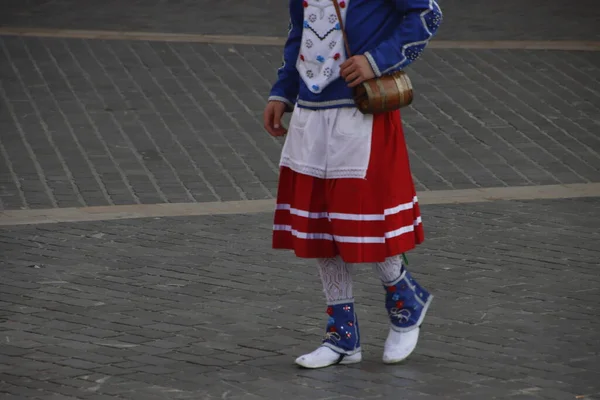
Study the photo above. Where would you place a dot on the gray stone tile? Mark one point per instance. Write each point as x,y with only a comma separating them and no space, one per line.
464,19
502,273
178,122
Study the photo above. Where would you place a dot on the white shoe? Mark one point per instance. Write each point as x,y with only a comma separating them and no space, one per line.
324,357
399,345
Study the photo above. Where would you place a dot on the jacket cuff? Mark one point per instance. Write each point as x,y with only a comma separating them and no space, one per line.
289,104
373,64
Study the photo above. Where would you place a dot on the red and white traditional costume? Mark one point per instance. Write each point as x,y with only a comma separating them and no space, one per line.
346,193
346,187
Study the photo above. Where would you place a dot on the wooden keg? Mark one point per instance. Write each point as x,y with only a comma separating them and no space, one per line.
387,93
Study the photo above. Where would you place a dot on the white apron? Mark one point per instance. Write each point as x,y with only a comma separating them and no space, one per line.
328,144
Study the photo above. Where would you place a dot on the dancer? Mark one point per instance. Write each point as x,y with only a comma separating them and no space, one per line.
346,194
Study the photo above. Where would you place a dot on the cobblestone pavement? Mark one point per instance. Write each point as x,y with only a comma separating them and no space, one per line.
199,308
90,123
464,19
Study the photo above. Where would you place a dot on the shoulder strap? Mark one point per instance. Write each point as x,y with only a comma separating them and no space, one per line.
341,22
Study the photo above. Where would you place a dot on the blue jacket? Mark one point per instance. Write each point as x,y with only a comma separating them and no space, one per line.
390,33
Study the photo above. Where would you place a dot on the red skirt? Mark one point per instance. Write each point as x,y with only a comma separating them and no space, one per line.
361,220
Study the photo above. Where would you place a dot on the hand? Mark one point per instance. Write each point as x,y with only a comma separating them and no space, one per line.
356,70
272,118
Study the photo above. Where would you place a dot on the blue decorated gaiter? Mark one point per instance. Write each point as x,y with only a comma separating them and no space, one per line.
406,302
342,334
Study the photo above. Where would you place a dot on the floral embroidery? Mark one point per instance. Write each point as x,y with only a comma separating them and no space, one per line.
320,53
401,315
333,336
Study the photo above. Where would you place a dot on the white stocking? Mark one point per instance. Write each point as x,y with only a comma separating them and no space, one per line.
336,278
390,270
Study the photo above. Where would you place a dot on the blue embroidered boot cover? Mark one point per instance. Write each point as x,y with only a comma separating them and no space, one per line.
342,334
406,302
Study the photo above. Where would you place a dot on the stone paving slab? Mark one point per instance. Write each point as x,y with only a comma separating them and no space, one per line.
109,213
464,19
201,308
93,122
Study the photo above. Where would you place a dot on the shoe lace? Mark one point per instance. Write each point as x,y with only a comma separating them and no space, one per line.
333,336
401,314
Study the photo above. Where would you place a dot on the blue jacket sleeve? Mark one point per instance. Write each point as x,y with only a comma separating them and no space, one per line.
420,23
287,86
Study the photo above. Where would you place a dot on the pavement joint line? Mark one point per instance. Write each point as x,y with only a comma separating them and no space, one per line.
108,213
566,45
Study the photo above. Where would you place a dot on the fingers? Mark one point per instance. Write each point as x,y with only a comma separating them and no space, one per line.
352,73
268,119
277,125
356,82
272,120
277,114
347,63
356,70
352,70
347,68
281,131
353,76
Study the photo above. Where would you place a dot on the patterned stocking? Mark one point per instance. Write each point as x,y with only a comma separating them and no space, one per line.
336,278
390,270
